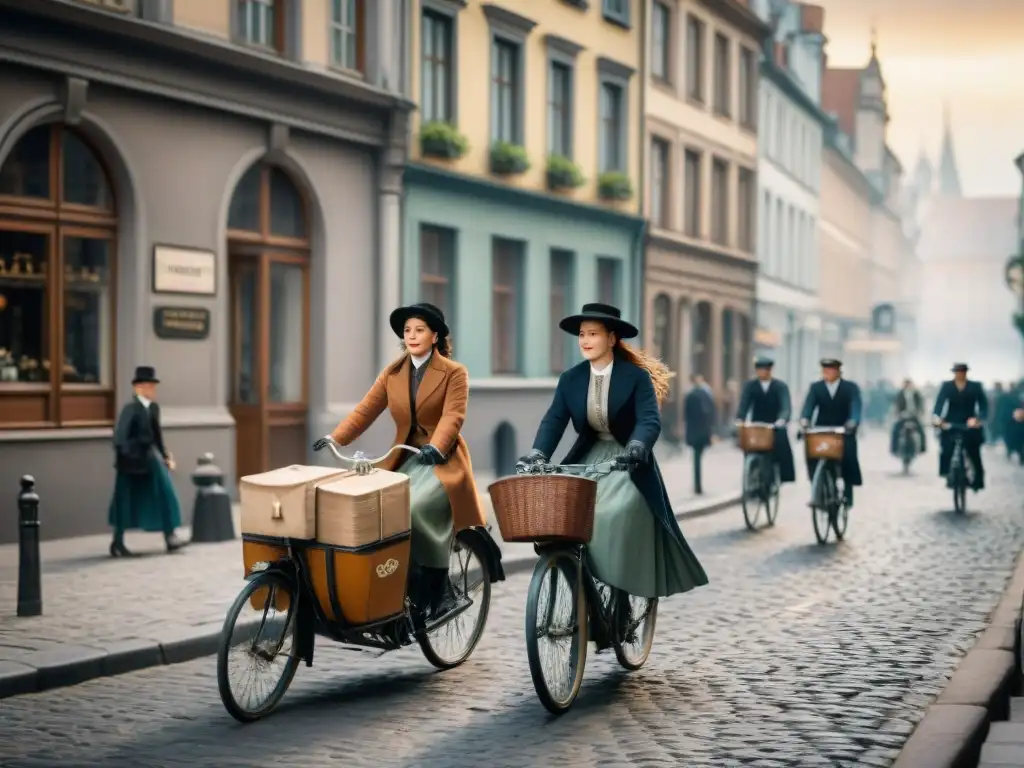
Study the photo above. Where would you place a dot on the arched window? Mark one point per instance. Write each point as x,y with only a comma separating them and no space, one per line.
728,345
58,229
268,244
746,343
702,339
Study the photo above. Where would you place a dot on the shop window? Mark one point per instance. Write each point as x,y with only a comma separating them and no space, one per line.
57,278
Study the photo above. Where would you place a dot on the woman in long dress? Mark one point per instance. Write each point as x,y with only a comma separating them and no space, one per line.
612,399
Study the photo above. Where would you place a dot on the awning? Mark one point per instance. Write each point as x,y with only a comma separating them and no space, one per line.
873,345
765,338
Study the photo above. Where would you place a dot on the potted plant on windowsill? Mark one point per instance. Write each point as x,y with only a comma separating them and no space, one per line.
508,159
614,185
441,139
563,173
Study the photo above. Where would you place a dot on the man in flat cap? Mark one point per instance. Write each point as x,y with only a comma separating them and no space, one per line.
766,399
964,403
836,402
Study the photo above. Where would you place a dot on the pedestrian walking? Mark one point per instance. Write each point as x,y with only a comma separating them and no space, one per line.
144,497
700,419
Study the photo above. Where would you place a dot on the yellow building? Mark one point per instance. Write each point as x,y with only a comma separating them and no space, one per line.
702,150
522,197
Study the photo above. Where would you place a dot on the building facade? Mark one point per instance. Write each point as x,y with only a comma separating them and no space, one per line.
792,125
206,186
522,192
702,138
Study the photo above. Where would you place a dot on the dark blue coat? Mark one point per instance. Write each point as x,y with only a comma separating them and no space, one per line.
971,403
632,415
699,417
767,408
823,410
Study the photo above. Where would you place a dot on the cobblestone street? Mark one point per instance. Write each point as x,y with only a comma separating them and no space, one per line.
794,655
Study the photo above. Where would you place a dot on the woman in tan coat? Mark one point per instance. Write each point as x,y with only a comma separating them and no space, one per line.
426,392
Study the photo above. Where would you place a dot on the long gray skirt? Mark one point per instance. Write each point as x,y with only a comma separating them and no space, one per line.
432,527
630,549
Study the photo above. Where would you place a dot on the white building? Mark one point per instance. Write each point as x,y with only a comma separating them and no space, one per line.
789,180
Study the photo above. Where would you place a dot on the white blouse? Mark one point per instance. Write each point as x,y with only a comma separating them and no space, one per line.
597,401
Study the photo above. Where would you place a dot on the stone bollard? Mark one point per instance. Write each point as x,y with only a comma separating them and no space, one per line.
30,586
211,514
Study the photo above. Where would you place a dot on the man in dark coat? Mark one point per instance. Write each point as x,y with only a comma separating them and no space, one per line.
766,400
836,402
909,407
963,403
699,417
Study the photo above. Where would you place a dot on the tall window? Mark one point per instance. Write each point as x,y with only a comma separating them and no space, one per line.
436,94
347,34
695,58
661,34
662,324
506,290
745,191
437,269
561,305
609,274
723,75
748,87
692,206
616,10
505,91
560,110
659,182
58,229
720,202
261,23
612,127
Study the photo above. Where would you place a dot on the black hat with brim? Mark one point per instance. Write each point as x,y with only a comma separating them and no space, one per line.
428,313
831,362
959,368
145,374
764,362
605,314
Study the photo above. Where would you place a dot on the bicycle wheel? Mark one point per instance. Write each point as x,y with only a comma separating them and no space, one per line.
261,643
556,615
840,513
774,492
751,498
448,645
634,633
822,492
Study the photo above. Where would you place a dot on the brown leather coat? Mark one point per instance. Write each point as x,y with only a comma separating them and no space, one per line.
440,412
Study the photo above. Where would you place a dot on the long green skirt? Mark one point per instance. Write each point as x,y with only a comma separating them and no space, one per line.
147,502
630,549
432,527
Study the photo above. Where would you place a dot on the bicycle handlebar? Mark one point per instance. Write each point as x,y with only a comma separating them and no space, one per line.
824,430
362,463
957,427
754,424
571,469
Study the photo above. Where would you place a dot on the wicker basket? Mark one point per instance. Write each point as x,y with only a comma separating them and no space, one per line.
756,439
824,445
544,507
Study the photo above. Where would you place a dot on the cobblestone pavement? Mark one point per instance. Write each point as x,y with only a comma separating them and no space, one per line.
794,655
92,601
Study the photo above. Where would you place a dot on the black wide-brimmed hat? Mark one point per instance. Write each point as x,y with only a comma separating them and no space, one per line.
606,314
145,374
831,362
763,362
428,313
960,368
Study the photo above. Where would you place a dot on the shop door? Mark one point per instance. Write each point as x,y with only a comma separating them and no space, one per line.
270,358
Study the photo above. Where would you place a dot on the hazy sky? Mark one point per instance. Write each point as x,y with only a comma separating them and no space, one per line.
968,53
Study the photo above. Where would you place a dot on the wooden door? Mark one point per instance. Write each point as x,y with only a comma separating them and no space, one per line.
270,358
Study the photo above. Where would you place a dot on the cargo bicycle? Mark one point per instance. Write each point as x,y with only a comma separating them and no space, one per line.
300,587
552,505
826,445
760,474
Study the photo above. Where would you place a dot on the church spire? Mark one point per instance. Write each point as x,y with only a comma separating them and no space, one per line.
949,176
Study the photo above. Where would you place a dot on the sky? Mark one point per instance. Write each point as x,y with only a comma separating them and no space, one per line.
967,53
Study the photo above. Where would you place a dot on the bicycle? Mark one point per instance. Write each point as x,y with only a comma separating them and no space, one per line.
906,446
282,581
586,607
961,470
760,474
828,511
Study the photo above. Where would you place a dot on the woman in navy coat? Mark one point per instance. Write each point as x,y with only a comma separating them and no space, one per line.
612,400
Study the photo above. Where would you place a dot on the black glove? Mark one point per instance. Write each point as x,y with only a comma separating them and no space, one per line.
322,443
430,455
634,455
531,459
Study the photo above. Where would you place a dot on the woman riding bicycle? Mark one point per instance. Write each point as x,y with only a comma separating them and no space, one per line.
426,392
612,399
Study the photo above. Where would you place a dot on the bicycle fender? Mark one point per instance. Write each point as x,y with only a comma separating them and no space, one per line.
284,567
492,553
305,639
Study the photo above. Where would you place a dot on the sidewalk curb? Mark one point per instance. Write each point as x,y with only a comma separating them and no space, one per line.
956,725
71,665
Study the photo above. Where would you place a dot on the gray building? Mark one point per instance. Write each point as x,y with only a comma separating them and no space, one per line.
206,186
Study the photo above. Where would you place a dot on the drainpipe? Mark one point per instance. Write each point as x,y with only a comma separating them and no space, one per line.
639,249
